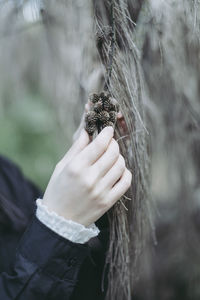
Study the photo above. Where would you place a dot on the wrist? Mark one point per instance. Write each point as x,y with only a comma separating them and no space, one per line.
68,229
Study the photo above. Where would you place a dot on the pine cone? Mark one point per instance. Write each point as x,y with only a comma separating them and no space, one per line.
104,96
94,98
90,128
91,117
98,107
113,116
107,105
109,123
117,107
114,105
103,116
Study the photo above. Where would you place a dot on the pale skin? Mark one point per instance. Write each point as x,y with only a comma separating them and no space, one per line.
89,179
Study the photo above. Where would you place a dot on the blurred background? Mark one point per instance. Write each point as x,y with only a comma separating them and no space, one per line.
31,135
38,93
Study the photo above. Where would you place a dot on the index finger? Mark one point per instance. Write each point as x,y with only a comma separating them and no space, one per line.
97,147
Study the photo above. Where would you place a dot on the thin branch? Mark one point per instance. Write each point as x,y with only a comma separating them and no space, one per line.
123,205
122,137
112,47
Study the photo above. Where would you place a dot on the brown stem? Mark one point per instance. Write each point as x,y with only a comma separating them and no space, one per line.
112,47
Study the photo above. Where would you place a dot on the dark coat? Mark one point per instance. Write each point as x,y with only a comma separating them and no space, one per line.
35,262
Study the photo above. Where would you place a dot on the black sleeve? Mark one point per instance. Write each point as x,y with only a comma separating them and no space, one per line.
37,263
46,266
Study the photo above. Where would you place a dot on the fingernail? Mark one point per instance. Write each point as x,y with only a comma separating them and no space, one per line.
119,114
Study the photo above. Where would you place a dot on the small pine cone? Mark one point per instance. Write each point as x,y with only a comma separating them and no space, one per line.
90,128
94,98
103,116
114,105
117,107
108,124
102,95
98,107
105,96
113,116
107,105
91,117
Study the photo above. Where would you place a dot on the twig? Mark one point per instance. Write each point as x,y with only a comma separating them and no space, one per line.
127,198
112,47
122,137
123,205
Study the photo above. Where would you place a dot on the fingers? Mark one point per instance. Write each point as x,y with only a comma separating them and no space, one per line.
114,174
77,146
120,187
106,161
97,147
81,125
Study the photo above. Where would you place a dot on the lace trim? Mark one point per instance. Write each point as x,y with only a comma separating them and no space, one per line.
68,229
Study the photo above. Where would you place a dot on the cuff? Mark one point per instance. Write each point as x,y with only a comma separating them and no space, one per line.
54,255
68,229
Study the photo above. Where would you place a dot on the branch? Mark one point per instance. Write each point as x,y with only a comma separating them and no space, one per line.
112,47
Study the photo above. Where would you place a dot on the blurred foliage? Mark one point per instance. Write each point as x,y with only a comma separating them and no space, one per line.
31,136
44,82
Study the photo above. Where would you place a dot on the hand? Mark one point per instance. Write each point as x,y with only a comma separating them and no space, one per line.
89,179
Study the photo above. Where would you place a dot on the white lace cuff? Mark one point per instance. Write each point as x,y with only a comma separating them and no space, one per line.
68,229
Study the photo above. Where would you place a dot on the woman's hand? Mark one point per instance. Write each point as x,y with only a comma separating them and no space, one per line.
89,179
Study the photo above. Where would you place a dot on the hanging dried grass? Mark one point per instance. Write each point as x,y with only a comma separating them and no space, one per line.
130,221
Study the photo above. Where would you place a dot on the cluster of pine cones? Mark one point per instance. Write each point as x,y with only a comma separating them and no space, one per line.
103,112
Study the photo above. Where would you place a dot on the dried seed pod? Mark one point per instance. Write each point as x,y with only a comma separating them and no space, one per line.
107,105
105,96
102,95
103,116
91,117
109,123
98,107
113,116
94,98
117,107
90,128
114,105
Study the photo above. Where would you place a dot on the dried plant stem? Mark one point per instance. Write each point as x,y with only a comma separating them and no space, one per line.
112,46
